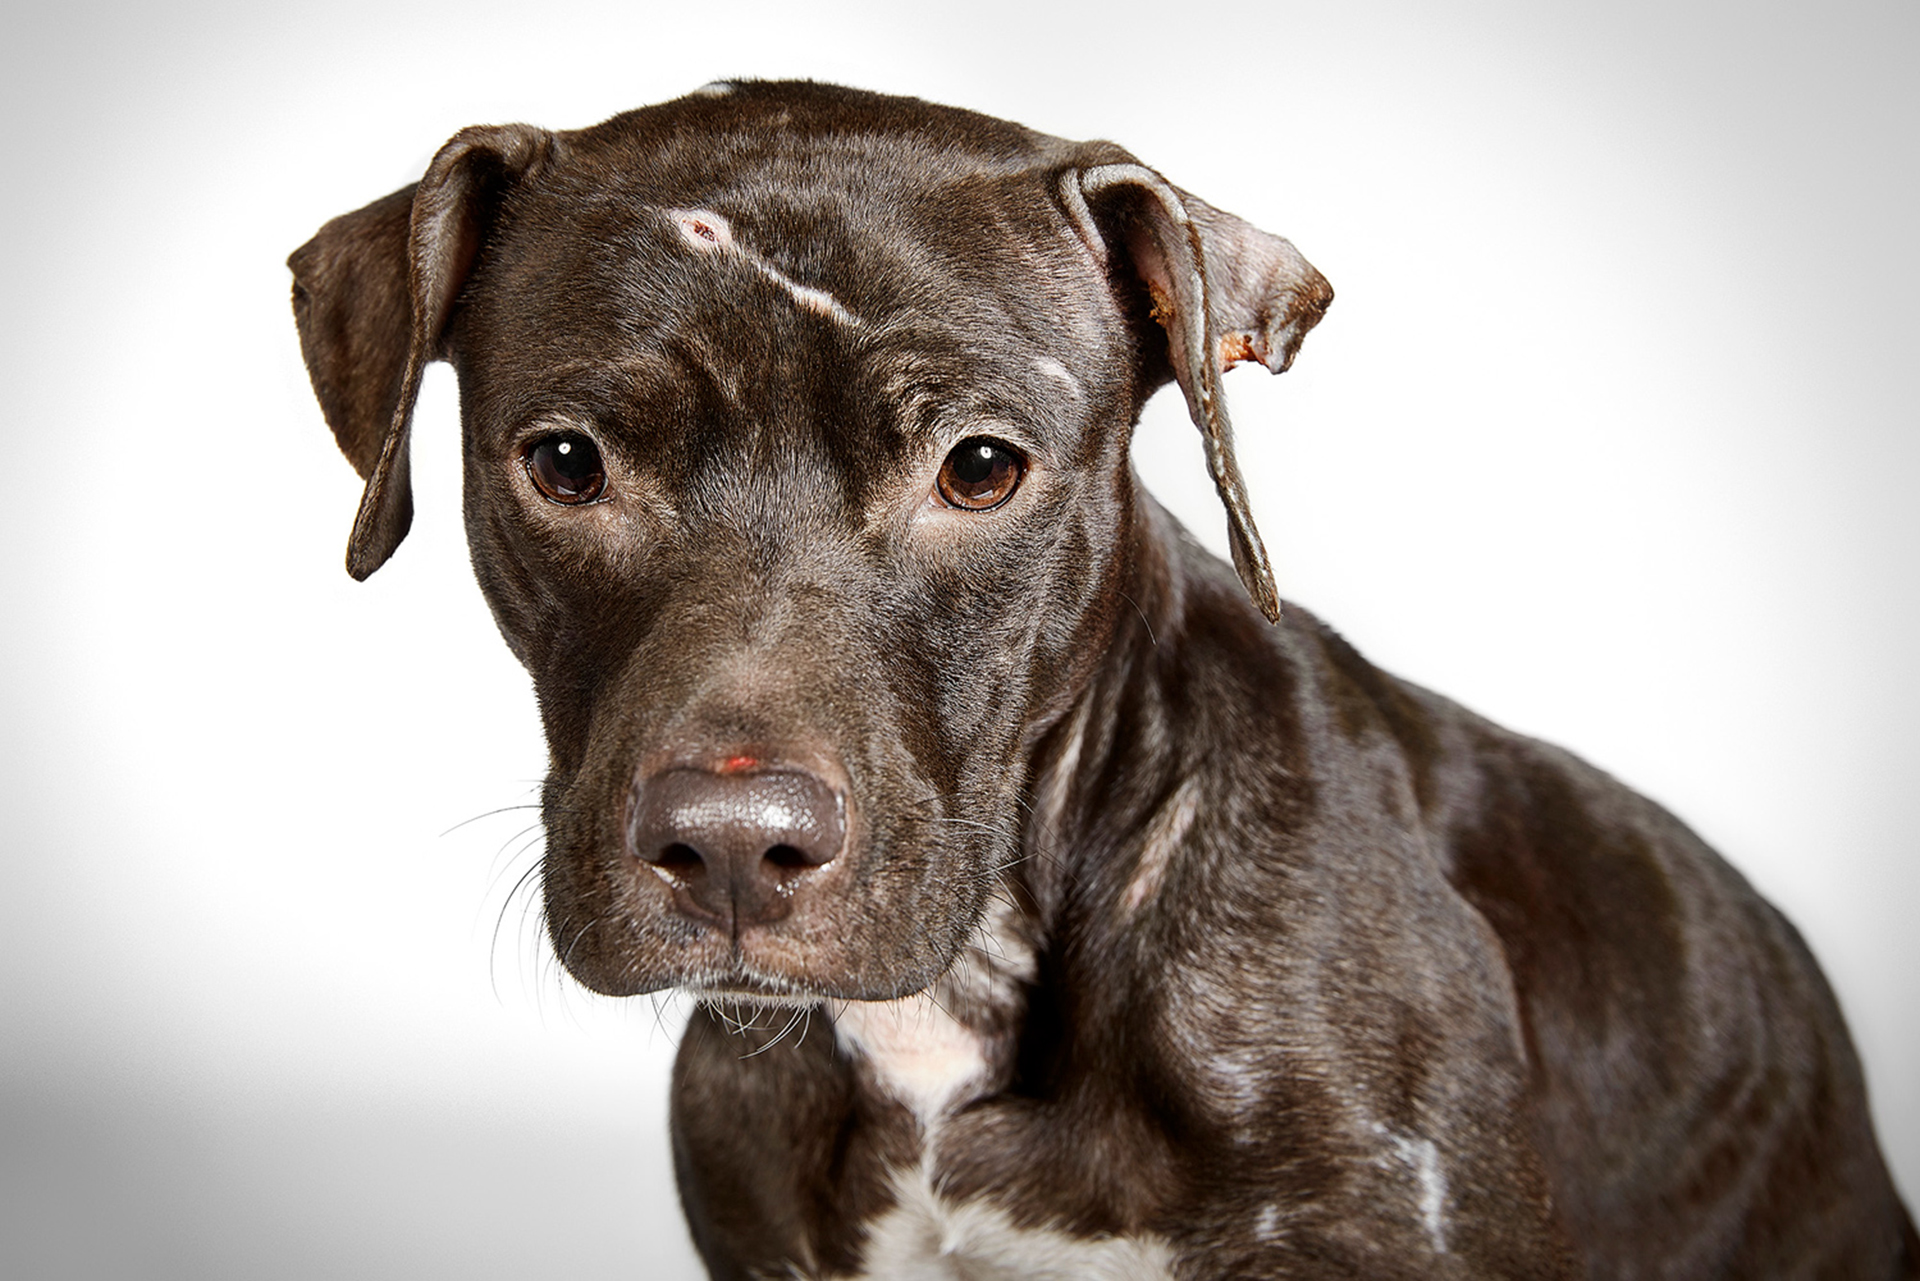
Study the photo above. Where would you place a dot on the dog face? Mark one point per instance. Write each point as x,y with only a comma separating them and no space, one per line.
796,426
839,552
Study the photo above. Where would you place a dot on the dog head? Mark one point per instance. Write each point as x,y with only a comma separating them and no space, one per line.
796,427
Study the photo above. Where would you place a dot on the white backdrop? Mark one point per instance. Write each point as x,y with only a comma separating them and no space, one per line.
1610,435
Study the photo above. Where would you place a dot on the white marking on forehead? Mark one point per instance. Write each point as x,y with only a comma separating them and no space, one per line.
818,301
707,232
713,89
1167,829
1059,373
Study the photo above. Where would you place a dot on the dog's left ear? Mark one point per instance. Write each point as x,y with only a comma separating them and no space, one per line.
372,293
1224,291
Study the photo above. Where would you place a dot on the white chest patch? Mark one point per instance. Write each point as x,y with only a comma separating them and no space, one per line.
916,1049
921,1054
925,1238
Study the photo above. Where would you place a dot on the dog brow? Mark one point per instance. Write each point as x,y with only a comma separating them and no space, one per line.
709,233
1060,374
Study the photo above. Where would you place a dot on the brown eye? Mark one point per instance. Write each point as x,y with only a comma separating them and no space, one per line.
979,473
566,468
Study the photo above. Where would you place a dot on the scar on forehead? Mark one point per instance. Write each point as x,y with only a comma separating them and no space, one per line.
707,232
703,229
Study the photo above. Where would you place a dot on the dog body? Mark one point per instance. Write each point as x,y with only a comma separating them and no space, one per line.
1158,938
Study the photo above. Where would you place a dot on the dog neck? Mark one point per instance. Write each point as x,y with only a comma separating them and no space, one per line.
959,1039
941,1048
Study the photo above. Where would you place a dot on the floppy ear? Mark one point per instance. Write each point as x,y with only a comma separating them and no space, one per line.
372,292
1224,291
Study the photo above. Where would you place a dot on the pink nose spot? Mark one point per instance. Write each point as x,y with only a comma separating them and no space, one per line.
735,764
703,229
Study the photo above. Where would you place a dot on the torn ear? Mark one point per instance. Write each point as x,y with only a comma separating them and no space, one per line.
1225,292
372,293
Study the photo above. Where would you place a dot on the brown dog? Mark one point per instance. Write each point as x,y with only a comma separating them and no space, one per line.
1158,938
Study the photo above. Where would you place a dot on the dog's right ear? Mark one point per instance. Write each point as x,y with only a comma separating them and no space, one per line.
372,292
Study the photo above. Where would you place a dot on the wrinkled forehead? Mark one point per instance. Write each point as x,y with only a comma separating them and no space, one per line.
755,262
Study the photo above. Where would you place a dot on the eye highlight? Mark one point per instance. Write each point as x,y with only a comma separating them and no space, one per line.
566,467
980,473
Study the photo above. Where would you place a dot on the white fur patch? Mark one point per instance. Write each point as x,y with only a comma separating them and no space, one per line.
1422,1159
1168,827
1059,373
1056,786
919,1048
921,1054
933,1052
926,1238
817,301
1266,1224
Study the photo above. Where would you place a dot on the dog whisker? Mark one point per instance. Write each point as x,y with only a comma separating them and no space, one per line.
487,814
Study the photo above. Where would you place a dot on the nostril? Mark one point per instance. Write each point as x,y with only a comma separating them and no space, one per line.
680,859
735,842
789,859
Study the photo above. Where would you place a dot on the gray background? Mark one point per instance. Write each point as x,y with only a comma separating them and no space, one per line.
1610,435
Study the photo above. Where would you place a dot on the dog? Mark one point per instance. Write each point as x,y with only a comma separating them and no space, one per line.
1159,934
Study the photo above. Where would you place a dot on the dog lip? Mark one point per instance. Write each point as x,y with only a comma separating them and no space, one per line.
753,988
743,983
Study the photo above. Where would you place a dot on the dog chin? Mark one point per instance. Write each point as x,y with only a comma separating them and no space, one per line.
753,999
749,988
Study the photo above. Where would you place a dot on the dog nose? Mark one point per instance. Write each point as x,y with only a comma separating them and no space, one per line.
732,844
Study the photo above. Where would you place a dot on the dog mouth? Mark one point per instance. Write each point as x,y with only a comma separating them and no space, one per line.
743,977
622,925
763,872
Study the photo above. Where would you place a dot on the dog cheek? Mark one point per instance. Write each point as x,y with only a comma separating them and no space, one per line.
609,919
587,914
1074,592
516,573
1086,597
572,637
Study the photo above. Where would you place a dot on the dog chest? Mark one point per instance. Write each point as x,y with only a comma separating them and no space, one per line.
919,1053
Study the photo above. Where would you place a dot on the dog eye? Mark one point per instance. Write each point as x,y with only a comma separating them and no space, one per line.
979,473
566,468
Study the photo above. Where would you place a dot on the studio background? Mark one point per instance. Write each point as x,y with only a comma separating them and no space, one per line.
1609,435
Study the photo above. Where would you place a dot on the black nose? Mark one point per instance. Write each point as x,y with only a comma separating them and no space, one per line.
732,844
